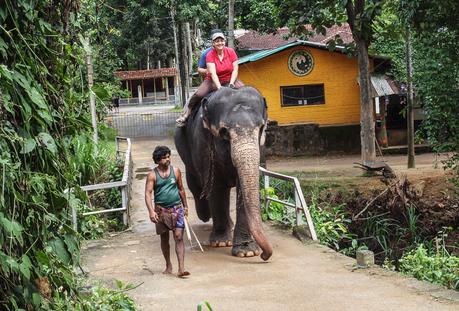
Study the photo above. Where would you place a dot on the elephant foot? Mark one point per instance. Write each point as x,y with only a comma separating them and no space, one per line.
221,243
221,240
246,249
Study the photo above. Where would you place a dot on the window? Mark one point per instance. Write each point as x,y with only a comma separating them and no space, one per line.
302,95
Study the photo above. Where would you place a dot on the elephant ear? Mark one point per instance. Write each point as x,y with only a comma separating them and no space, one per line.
205,113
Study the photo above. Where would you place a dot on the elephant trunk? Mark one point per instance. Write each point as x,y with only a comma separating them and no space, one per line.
245,154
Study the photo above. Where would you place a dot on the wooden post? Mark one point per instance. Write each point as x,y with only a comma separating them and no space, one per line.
130,89
383,109
143,89
167,87
154,88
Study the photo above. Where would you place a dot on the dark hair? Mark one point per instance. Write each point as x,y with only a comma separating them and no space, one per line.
160,152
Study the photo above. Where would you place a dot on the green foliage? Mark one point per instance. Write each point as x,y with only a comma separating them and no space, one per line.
331,223
44,149
440,268
435,41
204,303
94,298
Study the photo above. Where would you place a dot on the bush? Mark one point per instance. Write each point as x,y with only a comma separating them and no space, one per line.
425,265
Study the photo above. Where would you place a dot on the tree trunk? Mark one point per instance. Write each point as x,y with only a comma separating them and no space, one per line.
410,99
190,51
182,99
231,24
183,62
367,124
92,97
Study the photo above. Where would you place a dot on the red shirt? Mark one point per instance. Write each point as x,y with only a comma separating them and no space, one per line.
223,67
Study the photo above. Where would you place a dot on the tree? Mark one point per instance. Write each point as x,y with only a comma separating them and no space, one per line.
361,16
436,78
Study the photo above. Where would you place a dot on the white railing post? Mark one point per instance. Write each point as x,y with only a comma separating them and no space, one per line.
301,208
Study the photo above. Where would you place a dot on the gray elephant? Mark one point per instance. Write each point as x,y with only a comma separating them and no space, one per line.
220,146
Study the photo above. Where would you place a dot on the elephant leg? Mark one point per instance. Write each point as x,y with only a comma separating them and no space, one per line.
202,205
243,242
222,224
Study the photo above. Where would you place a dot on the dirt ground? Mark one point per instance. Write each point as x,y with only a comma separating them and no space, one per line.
297,277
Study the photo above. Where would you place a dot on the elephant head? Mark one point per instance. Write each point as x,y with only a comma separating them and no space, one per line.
239,117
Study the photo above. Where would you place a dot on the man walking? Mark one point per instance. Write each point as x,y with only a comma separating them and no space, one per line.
170,208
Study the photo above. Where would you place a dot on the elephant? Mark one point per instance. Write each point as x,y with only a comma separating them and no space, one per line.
220,147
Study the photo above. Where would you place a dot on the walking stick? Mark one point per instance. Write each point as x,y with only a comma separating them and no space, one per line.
188,228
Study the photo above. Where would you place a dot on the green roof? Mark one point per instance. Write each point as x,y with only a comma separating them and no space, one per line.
265,53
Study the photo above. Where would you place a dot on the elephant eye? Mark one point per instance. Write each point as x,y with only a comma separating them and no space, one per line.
223,133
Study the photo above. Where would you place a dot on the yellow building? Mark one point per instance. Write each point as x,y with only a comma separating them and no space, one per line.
304,82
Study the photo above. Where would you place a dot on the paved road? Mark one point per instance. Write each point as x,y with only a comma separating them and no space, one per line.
297,277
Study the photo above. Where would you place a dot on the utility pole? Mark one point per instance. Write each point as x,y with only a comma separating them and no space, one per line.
179,93
92,97
410,100
231,24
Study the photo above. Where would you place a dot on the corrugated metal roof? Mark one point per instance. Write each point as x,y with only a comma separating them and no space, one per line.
262,54
146,74
382,86
265,53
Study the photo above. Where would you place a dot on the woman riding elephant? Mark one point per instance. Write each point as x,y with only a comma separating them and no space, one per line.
222,68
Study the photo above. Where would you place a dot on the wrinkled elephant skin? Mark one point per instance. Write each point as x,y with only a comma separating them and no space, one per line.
220,147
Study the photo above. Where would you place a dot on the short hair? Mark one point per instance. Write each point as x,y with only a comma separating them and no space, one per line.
160,152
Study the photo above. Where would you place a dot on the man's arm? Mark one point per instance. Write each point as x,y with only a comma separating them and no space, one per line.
202,67
202,71
181,189
149,186
213,74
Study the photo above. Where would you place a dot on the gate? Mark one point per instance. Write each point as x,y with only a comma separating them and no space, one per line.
144,124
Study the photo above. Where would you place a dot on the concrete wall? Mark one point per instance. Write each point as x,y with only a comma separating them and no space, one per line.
310,139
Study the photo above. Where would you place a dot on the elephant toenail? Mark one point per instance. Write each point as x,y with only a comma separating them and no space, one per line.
229,243
240,254
221,244
249,254
213,244
257,252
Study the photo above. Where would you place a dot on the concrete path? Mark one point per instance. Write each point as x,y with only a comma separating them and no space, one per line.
297,277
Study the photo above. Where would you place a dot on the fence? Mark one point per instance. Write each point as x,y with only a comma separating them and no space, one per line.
300,206
135,101
124,184
132,124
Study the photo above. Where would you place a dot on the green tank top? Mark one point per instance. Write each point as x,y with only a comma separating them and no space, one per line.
166,190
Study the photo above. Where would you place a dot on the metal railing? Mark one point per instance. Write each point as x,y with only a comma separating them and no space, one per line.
300,206
124,185
144,124
135,101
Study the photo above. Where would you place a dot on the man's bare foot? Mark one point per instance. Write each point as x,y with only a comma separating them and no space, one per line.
183,274
168,270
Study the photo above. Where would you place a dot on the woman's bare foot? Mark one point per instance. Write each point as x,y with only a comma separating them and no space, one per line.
183,274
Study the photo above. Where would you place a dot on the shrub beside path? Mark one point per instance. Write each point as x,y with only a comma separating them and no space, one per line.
297,277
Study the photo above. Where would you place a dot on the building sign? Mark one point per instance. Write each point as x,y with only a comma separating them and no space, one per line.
300,63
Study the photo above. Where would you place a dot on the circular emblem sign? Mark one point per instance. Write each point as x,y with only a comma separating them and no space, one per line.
300,63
